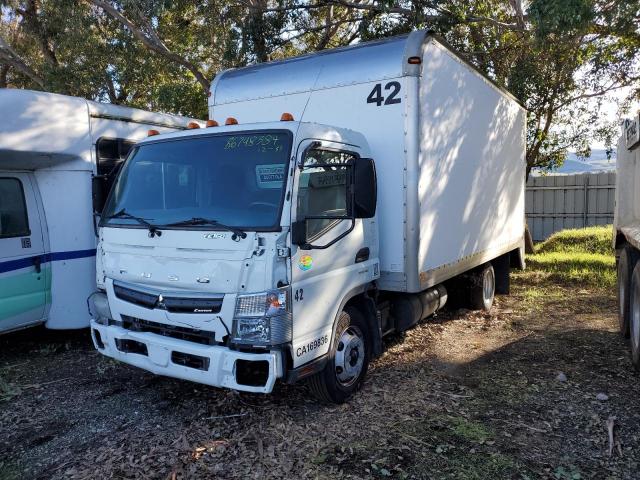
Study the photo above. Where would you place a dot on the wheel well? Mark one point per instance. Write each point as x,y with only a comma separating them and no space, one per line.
620,240
365,304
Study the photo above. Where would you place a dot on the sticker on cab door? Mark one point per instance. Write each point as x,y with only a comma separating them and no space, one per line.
305,263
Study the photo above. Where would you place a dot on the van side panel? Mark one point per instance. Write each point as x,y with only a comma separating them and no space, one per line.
472,169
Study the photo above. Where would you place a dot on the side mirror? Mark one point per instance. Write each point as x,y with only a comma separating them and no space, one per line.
365,188
299,233
100,190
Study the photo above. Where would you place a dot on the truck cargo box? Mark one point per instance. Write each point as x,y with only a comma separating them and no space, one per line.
448,143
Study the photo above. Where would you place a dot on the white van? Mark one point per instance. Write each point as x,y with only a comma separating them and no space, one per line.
50,148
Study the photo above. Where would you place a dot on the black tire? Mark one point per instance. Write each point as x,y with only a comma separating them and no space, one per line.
483,288
626,263
634,316
326,385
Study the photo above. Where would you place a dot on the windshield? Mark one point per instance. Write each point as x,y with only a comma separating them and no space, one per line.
236,180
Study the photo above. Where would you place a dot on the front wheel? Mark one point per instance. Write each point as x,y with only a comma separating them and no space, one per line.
348,360
634,317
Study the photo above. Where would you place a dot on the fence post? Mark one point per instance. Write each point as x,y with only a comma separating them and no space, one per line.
586,201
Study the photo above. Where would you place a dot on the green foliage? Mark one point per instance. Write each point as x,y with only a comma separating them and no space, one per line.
596,240
559,57
577,256
561,17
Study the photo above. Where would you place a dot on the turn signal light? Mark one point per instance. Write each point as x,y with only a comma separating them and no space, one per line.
151,133
192,125
415,60
286,117
231,121
212,123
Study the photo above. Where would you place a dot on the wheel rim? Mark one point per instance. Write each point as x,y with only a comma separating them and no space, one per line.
635,320
487,287
350,354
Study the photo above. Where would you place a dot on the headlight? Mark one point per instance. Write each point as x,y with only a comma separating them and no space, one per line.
99,307
263,318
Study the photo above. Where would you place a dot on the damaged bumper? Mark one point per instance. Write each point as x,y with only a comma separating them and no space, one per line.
213,365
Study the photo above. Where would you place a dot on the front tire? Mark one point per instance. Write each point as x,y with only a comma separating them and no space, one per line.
626,264
348,360
634,317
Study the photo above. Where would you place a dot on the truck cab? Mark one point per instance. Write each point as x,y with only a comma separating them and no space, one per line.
202,270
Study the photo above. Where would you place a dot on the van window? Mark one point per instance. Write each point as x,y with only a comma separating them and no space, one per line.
110,152
13,209
323,189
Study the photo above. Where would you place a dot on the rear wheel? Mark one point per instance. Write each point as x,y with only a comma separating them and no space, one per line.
626,263
348,360
634,316
483,288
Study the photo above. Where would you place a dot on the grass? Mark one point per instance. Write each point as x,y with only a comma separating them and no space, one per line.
594,240
581,256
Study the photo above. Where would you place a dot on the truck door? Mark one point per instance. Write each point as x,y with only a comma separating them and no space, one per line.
24,272
323,277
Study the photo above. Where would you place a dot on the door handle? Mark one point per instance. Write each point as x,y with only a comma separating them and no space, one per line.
37,262
362,255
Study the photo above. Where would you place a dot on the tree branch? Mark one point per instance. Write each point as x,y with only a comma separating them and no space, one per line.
151,40
8,56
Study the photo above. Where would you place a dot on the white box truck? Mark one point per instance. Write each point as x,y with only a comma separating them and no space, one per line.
626,233
344,193
50,148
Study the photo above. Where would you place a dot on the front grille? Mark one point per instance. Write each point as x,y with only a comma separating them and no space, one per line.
143,299
192,305
169,303
181,333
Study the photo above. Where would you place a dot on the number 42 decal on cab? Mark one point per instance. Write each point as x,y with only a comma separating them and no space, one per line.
392,89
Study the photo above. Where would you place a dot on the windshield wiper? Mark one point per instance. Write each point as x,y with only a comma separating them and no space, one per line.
153,229
205,221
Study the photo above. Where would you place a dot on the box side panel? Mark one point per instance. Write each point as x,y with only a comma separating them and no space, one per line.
627,204
472,169
626,181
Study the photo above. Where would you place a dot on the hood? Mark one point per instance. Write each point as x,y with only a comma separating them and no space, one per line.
189,260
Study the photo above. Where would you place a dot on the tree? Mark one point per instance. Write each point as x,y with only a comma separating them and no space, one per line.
559,57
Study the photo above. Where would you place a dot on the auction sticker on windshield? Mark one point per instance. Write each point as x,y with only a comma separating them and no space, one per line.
270,176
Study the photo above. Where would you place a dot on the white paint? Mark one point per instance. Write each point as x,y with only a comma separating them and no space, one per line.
54,138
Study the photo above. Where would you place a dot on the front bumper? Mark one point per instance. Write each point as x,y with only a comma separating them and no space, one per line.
216,365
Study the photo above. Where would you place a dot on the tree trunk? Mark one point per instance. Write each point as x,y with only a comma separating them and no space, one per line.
4,72
528,240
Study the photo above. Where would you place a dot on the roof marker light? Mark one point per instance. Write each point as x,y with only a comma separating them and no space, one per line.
212,123
286,117
231,121
151,133
192,125
414,60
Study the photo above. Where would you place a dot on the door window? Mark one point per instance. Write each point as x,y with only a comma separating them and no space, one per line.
13,209
323,189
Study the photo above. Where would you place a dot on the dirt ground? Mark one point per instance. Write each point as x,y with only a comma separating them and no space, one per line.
465,395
